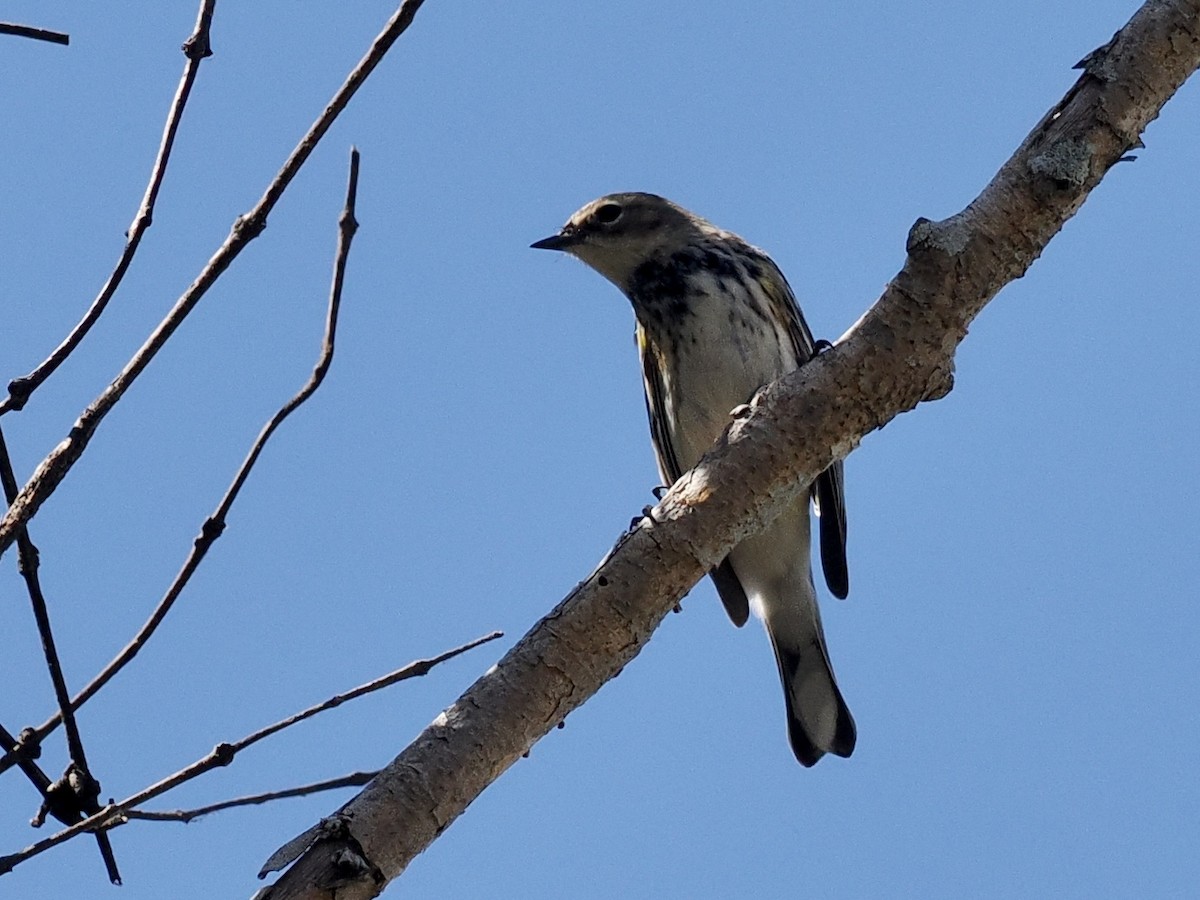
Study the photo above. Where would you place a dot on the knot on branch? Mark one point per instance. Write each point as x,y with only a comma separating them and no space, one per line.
19,390
1067,163
249,226
198,46
1099,63
69,798
223,754
948,237
349,864
141,222
941,382
28,746
28,557
347,223
209,532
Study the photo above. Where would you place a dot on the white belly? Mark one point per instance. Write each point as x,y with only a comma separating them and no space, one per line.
706,378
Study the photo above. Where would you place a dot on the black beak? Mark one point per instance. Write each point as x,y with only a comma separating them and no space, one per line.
560,241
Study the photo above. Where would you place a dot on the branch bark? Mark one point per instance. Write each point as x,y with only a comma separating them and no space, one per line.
37,34
900,353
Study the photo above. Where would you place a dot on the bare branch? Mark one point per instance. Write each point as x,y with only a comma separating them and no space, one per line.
54,468
37,34
195,48
898,354
114,814
355,779
75,794
214,525
70,806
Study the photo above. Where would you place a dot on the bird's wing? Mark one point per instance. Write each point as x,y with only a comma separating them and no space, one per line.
828,491
733,596
829,496
656,409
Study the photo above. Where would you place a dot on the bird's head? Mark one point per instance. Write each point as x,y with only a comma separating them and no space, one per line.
618,232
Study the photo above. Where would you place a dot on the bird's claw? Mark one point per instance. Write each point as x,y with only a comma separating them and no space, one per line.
647,513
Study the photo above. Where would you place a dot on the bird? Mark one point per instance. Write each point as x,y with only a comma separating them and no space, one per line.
715,321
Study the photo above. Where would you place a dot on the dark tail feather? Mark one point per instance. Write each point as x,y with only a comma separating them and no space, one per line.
819,721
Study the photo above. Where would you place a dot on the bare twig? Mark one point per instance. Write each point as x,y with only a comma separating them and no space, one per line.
114,814
54,468
195,48
37,34
76,794
214,525
412,670
355,779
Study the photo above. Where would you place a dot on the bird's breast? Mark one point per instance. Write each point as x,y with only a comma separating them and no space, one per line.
713,355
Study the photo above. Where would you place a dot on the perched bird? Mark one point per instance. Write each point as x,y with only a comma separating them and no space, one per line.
716,320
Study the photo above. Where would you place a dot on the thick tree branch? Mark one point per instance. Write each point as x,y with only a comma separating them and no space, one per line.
898,354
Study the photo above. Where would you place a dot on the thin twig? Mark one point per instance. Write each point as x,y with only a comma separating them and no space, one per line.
412,670
76,794
214,525
195,48
37,34
114,814
54,468
356,779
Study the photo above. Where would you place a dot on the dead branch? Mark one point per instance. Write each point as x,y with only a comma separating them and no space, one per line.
195,48
75,797
214,526
76,794
54,468
37,34
355,779
114,814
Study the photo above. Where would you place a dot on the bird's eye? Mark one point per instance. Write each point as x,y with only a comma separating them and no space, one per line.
608,213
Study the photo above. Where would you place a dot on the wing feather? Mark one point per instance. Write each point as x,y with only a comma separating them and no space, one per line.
828,491
730,590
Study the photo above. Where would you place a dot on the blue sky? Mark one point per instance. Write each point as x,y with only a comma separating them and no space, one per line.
1019,644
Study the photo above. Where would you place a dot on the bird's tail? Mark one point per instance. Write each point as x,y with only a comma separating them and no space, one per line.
818,720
